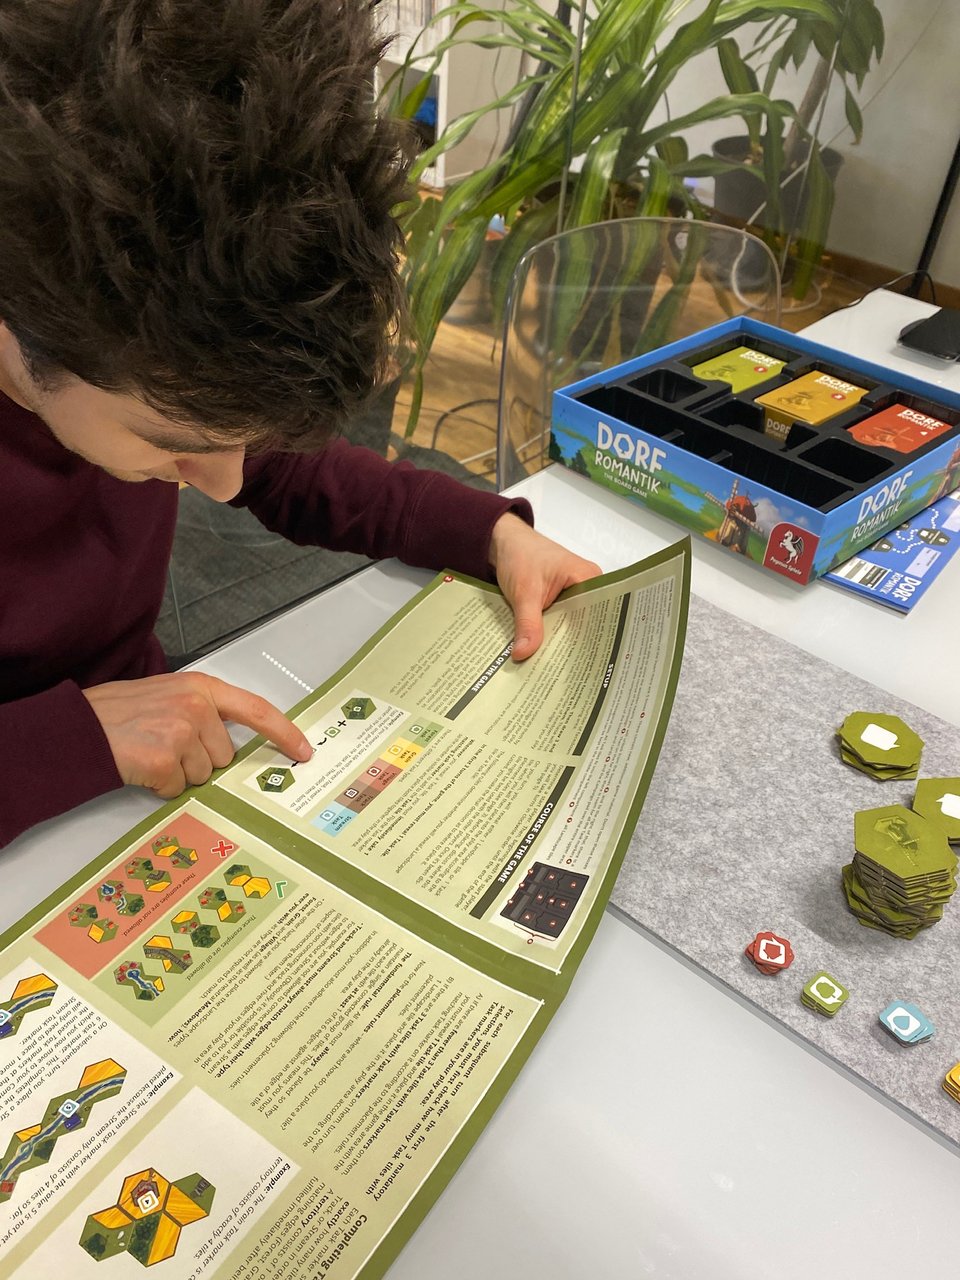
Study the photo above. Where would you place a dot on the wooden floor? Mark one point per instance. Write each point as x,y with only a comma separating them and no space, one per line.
459,410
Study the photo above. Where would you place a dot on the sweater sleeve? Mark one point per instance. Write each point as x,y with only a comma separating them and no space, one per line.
53,756
348,498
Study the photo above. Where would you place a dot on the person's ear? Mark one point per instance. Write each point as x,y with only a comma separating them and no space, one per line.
14,378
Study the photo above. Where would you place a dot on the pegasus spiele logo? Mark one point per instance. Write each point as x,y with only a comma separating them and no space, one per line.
792,544
790,551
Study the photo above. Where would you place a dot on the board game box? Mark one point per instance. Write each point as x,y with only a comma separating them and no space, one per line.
780,449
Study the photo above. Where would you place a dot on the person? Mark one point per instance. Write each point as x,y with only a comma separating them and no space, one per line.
199,285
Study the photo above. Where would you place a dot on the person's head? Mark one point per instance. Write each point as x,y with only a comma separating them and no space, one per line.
196,241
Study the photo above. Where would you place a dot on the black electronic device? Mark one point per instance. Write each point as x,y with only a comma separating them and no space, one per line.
937,335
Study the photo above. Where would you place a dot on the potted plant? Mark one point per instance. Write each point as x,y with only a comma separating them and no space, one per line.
595,100
784,181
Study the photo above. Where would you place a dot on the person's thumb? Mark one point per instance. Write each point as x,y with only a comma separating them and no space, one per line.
527,630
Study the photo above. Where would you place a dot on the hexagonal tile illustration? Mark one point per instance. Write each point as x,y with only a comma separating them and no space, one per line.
83,915
275,779
359,708
148,1217
102,931
34,1144
239,877
152,878
201,935
228,912
124,903
170,847
29,995
145,986
161,948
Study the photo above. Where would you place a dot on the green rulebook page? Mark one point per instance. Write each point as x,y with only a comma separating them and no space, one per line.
256,1037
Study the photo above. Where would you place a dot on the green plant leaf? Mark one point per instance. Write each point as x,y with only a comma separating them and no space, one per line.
813,234
542,17
673,151
661,325
740,79
874,23
657,190
615,22
532,226
416,401
420,261
452,268
690,39
531,40
855,51
734,104
797,46
753,10
772,171
708,166
853,113
421,223
595,118
459,128
591,192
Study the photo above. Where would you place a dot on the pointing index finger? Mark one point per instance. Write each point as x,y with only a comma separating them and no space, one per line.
259,714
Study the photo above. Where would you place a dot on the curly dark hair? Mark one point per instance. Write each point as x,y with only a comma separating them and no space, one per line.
195,207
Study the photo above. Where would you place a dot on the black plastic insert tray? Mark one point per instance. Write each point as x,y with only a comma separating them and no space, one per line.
820,466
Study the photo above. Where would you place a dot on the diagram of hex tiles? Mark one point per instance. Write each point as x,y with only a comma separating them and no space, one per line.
29,995
153,970
375,743
64,1116
133,900
148,1217
545,899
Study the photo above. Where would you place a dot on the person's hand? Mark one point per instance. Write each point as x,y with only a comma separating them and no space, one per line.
532,571
167,732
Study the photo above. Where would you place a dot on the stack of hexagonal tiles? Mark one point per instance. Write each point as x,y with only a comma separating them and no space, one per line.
879,745
902,873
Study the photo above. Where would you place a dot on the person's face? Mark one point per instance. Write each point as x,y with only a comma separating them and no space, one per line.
120,433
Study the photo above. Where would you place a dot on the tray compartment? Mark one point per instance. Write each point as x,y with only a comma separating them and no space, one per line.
850,462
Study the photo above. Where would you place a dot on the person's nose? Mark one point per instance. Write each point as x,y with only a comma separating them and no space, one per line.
218,475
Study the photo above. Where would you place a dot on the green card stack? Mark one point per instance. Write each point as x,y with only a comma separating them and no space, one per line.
902,874
881,746
824,994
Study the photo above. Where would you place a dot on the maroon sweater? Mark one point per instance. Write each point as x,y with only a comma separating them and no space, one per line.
83,563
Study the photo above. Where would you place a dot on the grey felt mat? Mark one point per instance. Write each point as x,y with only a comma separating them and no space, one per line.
746,826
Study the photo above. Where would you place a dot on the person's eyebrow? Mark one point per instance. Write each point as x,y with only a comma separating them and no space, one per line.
171,443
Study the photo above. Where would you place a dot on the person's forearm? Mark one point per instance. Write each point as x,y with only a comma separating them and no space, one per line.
53,757
350,499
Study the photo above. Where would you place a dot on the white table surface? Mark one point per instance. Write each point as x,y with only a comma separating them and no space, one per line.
869,329
661,1128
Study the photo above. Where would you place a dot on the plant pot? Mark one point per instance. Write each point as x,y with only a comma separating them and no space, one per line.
739,195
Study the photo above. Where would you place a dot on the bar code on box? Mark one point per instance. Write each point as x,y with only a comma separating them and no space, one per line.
860,571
